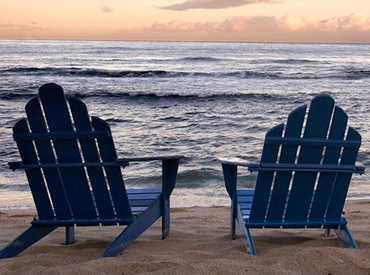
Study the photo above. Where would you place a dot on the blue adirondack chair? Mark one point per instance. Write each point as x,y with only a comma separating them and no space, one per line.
75,176
303,176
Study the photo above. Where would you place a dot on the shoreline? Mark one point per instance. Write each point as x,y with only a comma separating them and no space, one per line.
199,243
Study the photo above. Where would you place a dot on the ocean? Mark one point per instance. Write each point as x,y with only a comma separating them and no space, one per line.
199,99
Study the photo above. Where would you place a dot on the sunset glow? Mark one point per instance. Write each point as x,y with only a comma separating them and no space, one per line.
191,20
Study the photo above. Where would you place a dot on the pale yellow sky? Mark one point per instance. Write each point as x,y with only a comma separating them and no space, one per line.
199,20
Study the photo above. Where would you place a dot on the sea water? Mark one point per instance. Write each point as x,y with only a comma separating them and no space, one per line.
203,100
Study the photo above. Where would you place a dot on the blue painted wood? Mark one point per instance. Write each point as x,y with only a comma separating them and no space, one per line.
326,181
91,154
165,212
264,180
70,235
134,230
26,239
339,168
288,155
46,156
345,236
14,166
317,125
75,178
303,176
245,233
311,142
230,177
342,182
34,176
114,176
63,136
169,172
67,151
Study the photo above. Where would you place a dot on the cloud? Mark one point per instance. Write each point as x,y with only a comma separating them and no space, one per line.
215,4
354,21
22,31
291,28
294,23
106,9
33,26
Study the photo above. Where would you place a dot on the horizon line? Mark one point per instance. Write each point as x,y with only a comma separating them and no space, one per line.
176,41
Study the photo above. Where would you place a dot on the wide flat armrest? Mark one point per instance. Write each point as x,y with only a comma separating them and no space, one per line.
336,168
170,166
360,168
14,165
238,162
119,160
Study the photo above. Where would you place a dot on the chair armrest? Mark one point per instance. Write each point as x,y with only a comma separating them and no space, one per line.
360,168
239,162
357,168
230,168
14,165
170,166
230,172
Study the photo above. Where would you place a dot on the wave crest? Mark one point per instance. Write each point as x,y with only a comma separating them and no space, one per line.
86,72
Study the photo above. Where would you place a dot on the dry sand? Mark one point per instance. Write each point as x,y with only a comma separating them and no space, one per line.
198,244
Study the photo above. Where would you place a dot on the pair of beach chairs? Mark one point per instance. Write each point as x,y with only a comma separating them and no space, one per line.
75,176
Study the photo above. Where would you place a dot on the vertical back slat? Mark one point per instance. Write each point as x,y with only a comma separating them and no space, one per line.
317,125
45,152
288,155
343,180
264,179
67,151
91,154
34,175
326,181
114,176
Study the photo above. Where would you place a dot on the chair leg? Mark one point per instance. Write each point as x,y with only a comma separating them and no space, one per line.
345,236
133,231
165,219
70,235
232,221
245,232
25,240
252,250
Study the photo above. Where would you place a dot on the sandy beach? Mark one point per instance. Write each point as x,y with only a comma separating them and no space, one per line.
198,244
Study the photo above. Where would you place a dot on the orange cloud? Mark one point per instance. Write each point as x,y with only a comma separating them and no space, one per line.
353,28
106,9
355,21
33,26
295,23
215,4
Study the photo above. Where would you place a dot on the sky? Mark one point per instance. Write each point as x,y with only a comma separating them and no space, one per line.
332,21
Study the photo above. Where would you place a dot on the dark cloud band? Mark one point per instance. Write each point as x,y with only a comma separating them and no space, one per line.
215,4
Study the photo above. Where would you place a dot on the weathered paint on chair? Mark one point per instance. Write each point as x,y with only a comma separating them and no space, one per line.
303,176
75,177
